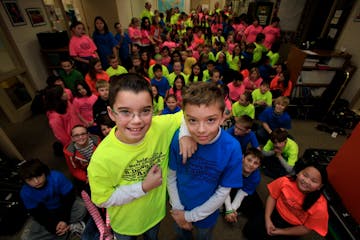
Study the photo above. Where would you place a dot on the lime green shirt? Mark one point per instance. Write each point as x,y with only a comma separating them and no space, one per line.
239,110
118,71
258,96
172,76
165,71
258,51
274,57
147,13
289,153
158,106
233,62
116,164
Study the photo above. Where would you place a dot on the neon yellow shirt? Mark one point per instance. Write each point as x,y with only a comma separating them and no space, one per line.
165,71
258,96
239,110
290,151
158,106
172,76
114,164
118,71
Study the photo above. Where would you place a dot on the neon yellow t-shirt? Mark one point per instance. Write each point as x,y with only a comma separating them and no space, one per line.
165,71
239,110
172,76
158,106
258,96
114,164
112,72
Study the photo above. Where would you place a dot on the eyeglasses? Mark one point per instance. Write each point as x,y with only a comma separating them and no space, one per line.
77,136
128,115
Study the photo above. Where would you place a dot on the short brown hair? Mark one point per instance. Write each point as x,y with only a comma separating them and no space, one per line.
203,93
278,135
246,121
101,84
282,100
33,168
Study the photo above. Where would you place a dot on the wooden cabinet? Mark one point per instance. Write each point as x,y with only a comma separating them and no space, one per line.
53,57
316,72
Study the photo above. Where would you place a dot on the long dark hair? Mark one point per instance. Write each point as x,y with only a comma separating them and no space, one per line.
311,197
286,75
92,71
183,83
54,101
106,28
84,85
192,76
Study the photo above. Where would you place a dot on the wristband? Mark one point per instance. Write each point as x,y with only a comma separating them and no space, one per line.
230,211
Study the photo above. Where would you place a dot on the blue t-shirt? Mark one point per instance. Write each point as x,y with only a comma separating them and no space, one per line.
219,163
105,44
251,182
245,140
162,85
275,120
124,50
169,111
57,185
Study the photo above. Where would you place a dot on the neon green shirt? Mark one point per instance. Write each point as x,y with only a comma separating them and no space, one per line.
258,51
233,62
289,153
239,110
165,71
172,76
258,96
118,71
274,57
115,163
158,106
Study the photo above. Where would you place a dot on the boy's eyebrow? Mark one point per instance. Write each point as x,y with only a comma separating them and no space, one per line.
214,115
121,108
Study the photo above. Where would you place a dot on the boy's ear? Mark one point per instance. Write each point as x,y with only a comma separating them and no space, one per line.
111,113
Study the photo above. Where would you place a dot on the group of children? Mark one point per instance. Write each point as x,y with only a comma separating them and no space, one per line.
132,138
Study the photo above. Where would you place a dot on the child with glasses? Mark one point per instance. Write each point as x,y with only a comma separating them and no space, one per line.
127,172
78,153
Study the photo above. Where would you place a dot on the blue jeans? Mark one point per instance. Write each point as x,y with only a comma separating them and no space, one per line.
91,231
200,233
151,234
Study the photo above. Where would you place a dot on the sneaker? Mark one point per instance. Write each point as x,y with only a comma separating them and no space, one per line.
77,228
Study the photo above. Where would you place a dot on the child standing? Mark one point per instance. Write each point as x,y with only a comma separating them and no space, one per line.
158,101
69,74
81,47
50,199
100,106
281,154
127,172
160,81
96,73
245,199
294,207
244,106
78,153
198,188
242,132
83,104
171,105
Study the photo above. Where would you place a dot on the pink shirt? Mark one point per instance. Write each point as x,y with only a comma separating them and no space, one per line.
166,60
61,124
178,96
251,32
170,44
69,94
82,46
135,35
235,92
145,41
271,35
252,85
84,107
215,27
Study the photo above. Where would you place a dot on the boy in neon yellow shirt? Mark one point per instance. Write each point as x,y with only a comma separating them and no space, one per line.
127,172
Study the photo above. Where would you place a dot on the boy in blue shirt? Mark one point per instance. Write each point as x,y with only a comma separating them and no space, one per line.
50,199
160,81
200,186
245,199
243,133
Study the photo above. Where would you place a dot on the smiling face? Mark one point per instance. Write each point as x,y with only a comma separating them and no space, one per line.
171,103
309,180
203,121
66,66
132,114
80,136
99,25
250,164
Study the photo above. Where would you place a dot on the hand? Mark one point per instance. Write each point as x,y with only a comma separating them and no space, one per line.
231,217
188,147
153,179
179,217
62,228
270,228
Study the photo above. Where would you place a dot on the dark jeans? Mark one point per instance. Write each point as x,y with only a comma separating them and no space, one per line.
273,167
200,233
151,234
255,227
